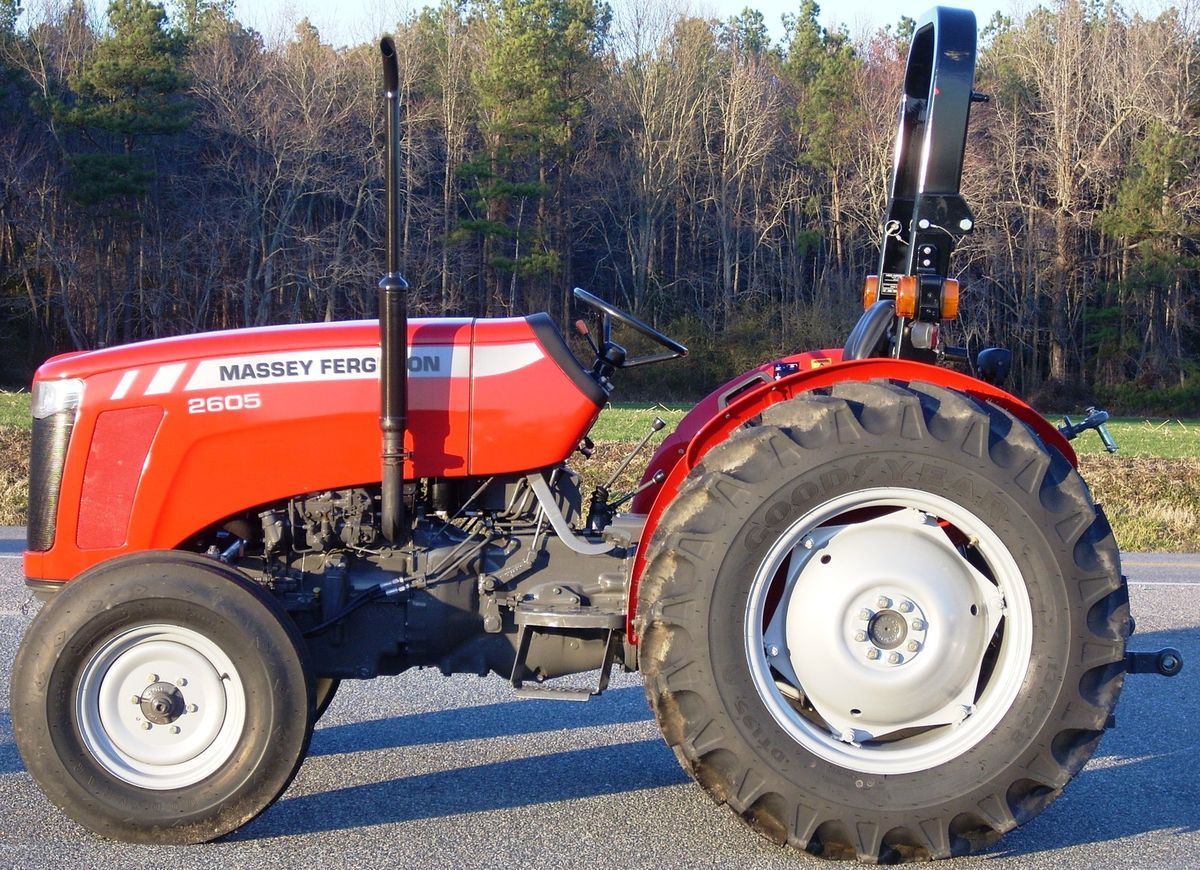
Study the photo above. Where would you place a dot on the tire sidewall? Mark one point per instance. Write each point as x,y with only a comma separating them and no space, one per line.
769,510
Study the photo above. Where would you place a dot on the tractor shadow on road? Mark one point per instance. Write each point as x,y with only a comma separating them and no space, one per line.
559,776
614,707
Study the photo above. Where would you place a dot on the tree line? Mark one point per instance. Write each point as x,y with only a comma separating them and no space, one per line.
173,172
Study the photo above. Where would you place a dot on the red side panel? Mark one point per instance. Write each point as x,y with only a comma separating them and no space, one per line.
525,410
114,466
707,434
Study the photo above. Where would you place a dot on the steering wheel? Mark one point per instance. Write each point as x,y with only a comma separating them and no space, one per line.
610,313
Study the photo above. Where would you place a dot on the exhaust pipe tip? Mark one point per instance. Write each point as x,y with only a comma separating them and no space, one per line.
391,69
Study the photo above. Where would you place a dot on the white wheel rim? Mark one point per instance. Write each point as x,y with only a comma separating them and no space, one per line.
873,653
160,706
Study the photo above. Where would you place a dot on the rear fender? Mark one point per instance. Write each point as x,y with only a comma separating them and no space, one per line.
708,425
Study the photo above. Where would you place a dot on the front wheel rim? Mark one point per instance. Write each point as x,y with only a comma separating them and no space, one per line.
888,630
160,706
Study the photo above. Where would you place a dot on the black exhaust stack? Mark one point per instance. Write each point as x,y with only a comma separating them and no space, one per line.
393,321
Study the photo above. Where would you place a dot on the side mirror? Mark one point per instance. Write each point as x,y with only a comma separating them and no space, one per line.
994,364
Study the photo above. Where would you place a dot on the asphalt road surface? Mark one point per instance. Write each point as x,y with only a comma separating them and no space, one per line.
423,771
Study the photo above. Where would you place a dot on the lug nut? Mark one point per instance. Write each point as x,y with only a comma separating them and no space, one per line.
860,636
872,653
174,729
905,606
895,659
135,699
884,602
151,678
913,646
918,625
864,614
192,708
182,681
773,651
146,726
808,543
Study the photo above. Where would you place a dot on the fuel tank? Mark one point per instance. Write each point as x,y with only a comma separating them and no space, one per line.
170,436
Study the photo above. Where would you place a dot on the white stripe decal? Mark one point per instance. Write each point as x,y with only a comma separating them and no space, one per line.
500,359
125,384
164,379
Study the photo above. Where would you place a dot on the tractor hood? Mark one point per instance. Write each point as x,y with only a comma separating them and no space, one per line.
157,440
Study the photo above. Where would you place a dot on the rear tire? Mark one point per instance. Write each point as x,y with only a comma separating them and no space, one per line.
162,698
887,623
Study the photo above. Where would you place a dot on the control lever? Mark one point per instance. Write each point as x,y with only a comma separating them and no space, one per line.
655,479
656,426
582,330
1095,419
599,510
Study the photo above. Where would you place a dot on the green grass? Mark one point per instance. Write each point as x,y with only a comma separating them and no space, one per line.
1144,438
14,409
630,421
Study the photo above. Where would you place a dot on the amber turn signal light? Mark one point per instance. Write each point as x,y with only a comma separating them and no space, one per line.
950,291
870,291
907,292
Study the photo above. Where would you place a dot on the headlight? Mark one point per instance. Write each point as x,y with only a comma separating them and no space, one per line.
50,397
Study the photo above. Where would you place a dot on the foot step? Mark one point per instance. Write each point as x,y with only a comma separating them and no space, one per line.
561,620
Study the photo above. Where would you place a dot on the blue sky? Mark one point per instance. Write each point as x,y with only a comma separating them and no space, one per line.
352,21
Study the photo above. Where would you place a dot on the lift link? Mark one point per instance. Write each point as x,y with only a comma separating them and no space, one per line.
1095,419
1166,662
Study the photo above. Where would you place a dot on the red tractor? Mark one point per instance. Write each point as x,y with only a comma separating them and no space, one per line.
877,611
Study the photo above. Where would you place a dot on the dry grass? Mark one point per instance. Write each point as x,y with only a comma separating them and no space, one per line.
14,474
1153,504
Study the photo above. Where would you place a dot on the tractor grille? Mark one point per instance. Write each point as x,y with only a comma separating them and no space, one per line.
50,438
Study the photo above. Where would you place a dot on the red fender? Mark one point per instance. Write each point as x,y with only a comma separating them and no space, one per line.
702,429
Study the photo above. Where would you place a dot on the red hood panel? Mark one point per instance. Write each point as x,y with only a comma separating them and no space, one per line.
252,416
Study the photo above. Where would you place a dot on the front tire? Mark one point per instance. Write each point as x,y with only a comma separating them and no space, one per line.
162,698
886,623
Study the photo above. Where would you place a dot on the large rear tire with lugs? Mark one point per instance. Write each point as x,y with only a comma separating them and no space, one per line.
886,623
